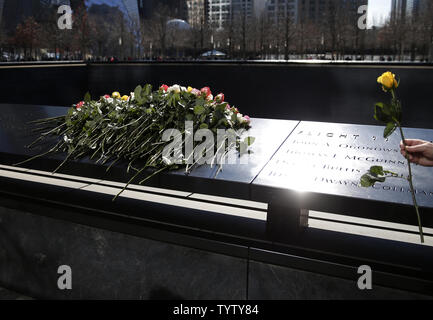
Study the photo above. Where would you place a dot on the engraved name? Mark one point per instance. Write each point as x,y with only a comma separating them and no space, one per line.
377,186
376,160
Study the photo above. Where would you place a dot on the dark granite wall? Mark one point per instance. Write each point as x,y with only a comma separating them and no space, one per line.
109,265
329,93
58,85
326,93
271,282
112,265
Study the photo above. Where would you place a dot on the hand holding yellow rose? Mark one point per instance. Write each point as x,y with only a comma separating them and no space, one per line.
391,114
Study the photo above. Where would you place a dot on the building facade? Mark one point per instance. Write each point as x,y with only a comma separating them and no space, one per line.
16,11
404,9
133,9
197,12
2,3
220,12
177,8
317,11
280,10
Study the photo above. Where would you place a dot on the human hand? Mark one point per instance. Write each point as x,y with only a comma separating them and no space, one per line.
419,151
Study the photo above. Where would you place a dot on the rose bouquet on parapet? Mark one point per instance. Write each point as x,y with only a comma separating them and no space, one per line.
391,114
169,128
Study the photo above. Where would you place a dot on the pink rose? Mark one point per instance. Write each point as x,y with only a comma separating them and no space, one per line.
80,104
196,92
206,91
219,97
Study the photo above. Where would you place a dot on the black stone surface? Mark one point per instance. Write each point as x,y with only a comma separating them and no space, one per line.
320,166
58,84
15,130
272,282
16,133
328,92
337,92
233,180
109,265
112,265
6,294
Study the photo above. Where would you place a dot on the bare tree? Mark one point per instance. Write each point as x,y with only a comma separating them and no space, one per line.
3,41
27,36
157,27
134,30
289,32
263,31
82,30
426,21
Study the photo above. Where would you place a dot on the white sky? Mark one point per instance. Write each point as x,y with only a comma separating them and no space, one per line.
378,11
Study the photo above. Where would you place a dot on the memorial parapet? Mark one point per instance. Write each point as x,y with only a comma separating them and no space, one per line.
320,165
234,179
306,165
294,167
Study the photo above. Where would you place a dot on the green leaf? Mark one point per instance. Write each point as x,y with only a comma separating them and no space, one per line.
200,101
367,181
243,148
221,107
249,140
87,97
374,174
222,121
147,90
389,130
137,94
377,171
204,126
382,112
199,109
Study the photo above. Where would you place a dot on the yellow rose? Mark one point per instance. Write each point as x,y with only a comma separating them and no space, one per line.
189,89
388,81
125,98
116,95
